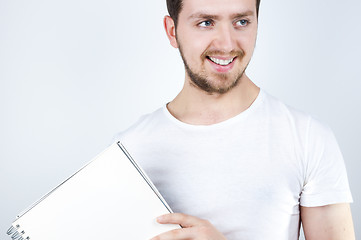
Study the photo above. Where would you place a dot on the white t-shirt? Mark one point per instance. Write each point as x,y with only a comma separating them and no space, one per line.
247,175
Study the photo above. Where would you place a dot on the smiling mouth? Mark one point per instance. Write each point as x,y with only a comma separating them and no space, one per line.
221,62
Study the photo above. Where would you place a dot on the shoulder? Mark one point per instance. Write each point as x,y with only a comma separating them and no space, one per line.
308,128
284,113
142,126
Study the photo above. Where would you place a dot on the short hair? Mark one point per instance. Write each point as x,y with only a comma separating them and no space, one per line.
175,7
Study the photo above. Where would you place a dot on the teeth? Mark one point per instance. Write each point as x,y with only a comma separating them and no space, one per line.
221,62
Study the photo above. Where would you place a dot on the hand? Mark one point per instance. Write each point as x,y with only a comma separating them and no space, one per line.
193,228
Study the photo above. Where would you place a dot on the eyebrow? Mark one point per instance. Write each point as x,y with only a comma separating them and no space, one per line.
201,15
244,14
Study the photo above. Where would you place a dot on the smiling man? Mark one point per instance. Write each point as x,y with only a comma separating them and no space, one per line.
231,160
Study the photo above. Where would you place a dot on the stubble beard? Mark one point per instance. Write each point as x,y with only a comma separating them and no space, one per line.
204,81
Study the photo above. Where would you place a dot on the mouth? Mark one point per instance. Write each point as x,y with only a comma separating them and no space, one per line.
221,62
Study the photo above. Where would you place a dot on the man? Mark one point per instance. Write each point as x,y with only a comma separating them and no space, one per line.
233,161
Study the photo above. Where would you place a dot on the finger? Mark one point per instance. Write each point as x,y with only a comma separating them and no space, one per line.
180,218
176,234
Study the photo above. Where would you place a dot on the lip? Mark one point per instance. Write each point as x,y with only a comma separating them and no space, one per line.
222,69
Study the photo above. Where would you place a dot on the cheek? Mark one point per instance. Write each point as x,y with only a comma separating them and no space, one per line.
247,43
193,50
194,43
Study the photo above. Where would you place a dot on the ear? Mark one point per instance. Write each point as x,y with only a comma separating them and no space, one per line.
170,31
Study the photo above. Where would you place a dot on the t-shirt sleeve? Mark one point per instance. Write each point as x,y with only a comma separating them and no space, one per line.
325,172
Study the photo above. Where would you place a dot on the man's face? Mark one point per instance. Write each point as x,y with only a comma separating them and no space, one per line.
216,39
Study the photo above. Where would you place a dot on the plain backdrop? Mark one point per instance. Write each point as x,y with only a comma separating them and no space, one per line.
73,73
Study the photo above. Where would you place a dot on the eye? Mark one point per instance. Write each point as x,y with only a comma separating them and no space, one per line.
242,22
206,23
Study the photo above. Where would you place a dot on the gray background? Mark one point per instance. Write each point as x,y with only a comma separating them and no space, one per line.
73,73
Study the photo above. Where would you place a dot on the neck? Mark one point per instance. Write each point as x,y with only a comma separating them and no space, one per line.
197,107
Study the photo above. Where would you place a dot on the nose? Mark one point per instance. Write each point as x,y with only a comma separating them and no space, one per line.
225,40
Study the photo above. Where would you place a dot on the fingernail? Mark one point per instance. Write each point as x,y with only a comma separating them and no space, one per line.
160,218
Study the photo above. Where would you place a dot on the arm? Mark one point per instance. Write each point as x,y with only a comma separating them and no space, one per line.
330,222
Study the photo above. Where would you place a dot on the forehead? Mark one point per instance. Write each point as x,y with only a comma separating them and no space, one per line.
217,7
